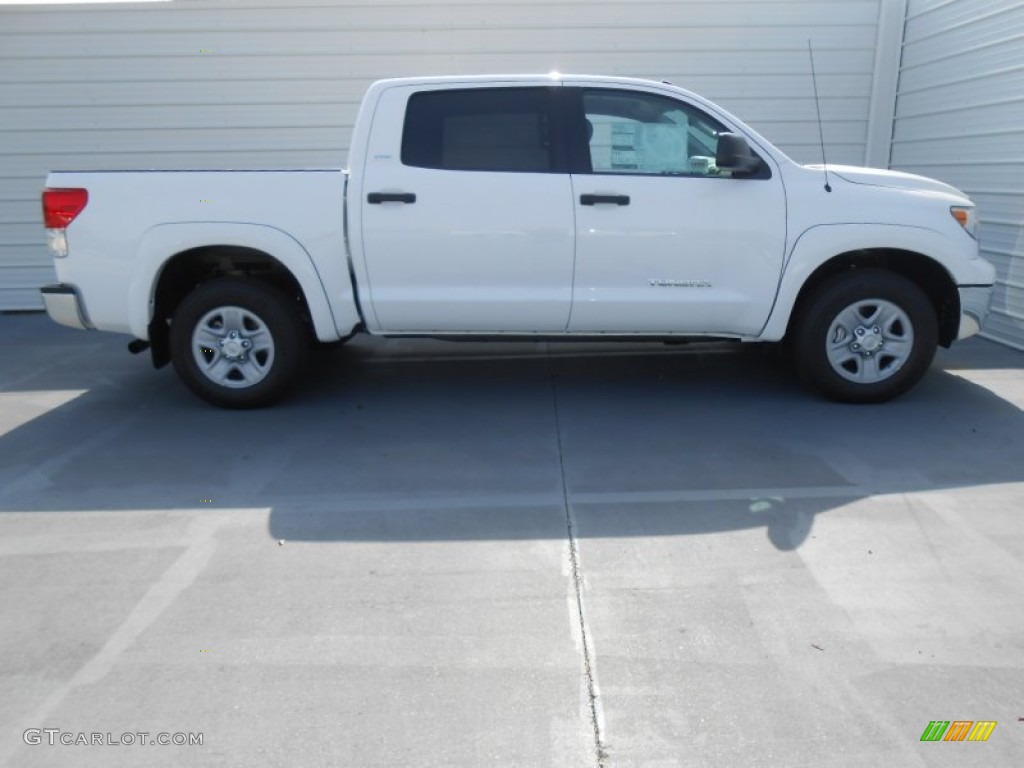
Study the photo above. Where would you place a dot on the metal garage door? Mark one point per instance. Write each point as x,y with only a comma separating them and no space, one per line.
259,83
960,118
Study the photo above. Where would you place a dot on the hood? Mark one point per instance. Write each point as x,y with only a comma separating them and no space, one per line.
876,177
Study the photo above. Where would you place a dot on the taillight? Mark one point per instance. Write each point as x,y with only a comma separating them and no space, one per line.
61,206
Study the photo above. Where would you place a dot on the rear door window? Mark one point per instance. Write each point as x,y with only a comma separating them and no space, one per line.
481,129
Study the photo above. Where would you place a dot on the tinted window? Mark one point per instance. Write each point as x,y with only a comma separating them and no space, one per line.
630,132
482,129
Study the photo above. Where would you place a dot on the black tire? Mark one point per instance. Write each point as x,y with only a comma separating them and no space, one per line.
253,368
898,331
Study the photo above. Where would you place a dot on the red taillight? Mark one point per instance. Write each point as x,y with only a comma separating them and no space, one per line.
60,206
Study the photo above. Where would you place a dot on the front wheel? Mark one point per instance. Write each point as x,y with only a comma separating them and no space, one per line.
237,343
865,336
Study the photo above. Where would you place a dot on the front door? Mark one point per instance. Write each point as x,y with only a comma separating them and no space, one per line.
666,241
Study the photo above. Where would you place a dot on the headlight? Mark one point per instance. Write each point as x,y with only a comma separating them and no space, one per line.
967,217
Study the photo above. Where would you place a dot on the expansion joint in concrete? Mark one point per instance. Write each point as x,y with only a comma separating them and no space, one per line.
586,644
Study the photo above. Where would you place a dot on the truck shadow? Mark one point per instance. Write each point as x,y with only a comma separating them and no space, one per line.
652,442
426,441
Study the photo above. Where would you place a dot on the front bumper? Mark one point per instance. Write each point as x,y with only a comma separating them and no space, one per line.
64,306
974,304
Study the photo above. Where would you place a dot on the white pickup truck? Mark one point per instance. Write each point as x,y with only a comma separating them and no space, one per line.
523,207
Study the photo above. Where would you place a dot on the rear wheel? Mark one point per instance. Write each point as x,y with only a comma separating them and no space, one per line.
238,343
865,336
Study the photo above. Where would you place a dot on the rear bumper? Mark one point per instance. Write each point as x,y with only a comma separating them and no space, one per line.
64,306
974,304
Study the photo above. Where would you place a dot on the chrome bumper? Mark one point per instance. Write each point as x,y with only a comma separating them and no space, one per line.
64,306
974,303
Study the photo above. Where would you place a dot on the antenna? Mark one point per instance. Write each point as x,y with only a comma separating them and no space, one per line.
817,106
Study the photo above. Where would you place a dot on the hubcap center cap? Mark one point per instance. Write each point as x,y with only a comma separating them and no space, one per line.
232,346
867,340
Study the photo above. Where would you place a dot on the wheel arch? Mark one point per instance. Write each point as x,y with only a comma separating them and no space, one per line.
929,275
175,259
927,258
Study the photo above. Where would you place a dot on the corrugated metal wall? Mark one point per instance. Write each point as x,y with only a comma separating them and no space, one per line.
960,118
190,83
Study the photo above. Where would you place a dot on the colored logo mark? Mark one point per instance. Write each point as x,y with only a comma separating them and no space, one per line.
958,730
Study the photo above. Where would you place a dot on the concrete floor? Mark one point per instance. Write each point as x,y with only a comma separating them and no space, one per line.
508,554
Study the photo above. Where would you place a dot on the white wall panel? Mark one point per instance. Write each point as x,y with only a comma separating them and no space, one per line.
192,83
960,118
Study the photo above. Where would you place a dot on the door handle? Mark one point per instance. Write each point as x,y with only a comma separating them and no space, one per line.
599,199
376,198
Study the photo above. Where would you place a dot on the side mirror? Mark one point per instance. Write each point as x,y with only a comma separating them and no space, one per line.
734,154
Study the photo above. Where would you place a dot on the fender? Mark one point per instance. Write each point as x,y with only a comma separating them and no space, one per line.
160,243
824,242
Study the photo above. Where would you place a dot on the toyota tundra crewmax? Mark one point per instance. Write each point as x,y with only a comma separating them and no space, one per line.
569,207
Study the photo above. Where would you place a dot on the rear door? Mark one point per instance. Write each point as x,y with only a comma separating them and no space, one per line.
666,241
467,211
